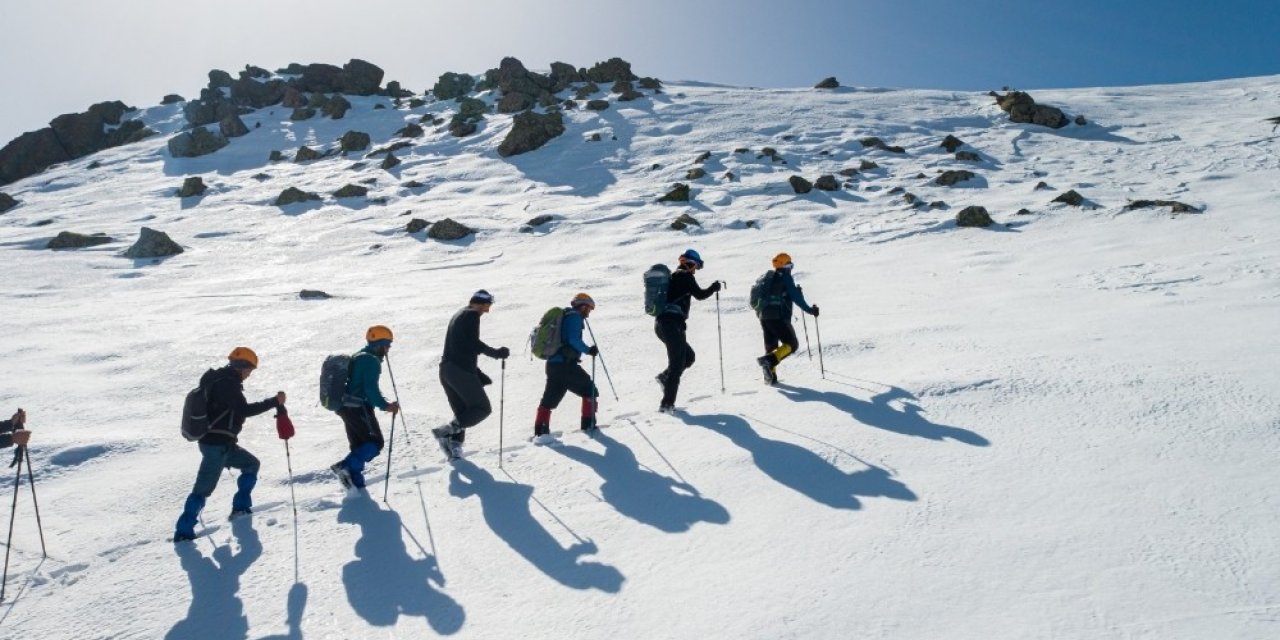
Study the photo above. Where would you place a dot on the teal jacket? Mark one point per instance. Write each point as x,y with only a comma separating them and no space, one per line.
362,384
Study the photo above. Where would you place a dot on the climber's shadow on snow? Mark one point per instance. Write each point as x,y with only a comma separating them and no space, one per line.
880,412
297,604
641,493
384,582
507,508
802,470
216,611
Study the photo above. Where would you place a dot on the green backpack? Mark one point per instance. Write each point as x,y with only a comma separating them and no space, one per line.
545,340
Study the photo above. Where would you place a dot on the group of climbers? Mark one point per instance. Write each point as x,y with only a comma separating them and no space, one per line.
558,339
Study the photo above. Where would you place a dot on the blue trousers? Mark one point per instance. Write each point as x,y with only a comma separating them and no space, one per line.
213,459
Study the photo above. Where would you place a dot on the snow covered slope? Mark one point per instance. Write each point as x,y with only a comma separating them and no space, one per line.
1061,426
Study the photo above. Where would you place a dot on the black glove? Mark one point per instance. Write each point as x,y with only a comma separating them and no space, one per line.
503,353
593,351
484,380
715,287
815,309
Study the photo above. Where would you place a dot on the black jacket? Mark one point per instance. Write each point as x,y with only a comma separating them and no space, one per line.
225,391
462,344
6,434
682,287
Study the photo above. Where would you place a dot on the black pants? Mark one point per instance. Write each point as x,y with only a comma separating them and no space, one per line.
563,377
680,356
467,399
779,330
361,425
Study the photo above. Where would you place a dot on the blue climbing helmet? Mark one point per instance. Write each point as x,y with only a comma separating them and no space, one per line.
690,255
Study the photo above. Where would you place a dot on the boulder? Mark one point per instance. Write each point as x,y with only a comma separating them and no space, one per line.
1070,197
232,126
514,103
389,162
336,107
192,186
873,142
652,84
511,77
302,113
538,221
974,216
968,156
172,98
275,156
452,85
250,71
415,225
293,98
313,294
7,202
826,183
1042,186
1080,121
800,185
585,91
307,154
702,157
219,79
562,75
153,244
449,229
1023,109
868,165
410,131
1022,212
595,137
294,195
849,172
827,83
678,193
951,177
597,105
249,92
196,142
209,108
360,78
413,184
351,191
530,131
354,141
610,70
72,240
951,143
1174,205
695,173
318,77
685,221
417,102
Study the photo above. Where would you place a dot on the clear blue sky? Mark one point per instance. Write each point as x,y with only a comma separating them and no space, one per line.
58,56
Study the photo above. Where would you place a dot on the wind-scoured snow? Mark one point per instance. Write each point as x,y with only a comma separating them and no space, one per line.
1062,426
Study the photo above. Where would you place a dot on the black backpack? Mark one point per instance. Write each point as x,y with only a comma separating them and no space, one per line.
195,414
768,295
334,374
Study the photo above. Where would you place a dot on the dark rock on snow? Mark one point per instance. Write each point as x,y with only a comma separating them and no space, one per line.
610,70
597,105
800,185
302,113
72,240
974,216
1177,207
968,156
7,202
232,126
415,225
951,143
153,244
538,221
876,143
1022,108
685,221
826,183
197,142
313,294
951,177
351,191
172,98
530,131
827,83
678,193
452,85
192,186
306,154
354,141
868,165
1070,197
695,173
449,229
294,195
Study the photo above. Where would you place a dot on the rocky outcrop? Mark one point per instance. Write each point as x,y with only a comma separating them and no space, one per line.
7,202
951,143
876,143
827,83
307,154
192,186
826,182
952,177
520,87
153,244
209,108
530,131
232,127
1174,205
73,240
415,225
563,74
351,191
974,216
356,77
1070,197
800,185
294,195
196,142
172,98
449,229
610,70
250,92
354,141
470,112
597,105
678,193
695,173
69,136
390,162
1023,109
453,85
685,221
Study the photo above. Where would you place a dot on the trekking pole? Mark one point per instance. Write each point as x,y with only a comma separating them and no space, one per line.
386,477
8,546
806,336
720,339
394,390
603,364
31,479
818,331
502,409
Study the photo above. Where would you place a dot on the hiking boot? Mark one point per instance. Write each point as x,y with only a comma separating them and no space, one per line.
668,409
589,423
183,537
767,366
444,438
340,469
236,513
455,450
543,439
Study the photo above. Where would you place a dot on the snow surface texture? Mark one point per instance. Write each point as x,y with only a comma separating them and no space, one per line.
1061,426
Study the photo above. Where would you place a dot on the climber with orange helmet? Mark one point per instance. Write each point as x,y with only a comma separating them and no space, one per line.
565,373
772,297
364,434
460,374
224,395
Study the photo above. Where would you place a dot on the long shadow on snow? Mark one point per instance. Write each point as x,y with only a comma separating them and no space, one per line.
802,470
878,413
216,611
385,582
297,604
643,494
506,507
583,167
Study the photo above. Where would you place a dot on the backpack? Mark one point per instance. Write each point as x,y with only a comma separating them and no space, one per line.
657,280
195,414
768,294
546,339
334,374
